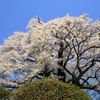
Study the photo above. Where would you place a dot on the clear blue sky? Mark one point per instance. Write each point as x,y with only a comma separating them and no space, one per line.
15,14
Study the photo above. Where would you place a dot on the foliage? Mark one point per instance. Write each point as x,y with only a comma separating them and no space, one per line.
50,89
4,94
67,48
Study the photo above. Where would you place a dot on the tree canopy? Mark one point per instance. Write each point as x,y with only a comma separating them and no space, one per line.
50,89
4,94
67,48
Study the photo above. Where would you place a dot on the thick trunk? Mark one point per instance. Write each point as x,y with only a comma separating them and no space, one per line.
61,73
76,82
46,72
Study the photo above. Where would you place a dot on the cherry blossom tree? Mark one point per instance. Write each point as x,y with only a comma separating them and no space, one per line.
67,48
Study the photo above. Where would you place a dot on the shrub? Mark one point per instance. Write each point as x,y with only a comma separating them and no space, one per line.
4,94
50,89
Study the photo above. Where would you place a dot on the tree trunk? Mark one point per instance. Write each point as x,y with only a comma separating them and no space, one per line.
61,73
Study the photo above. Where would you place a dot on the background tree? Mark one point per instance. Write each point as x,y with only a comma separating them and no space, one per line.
67,48
4,94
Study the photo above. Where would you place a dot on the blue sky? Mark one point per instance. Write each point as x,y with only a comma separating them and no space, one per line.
15,14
